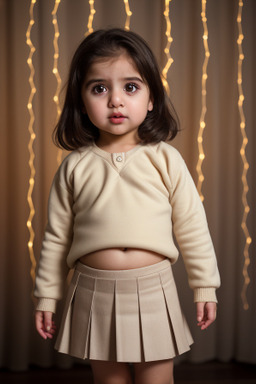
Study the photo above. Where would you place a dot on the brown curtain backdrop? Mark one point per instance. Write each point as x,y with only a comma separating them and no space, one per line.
233,335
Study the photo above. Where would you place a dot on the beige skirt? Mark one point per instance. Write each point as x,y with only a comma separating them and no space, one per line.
125,316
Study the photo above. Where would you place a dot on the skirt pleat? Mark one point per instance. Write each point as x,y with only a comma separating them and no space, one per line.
82,317
128,329
102,335
124,316
181,332
160,341
63,340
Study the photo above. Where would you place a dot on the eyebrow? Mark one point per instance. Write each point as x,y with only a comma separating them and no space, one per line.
132,78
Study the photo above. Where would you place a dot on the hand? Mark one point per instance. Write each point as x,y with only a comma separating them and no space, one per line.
45,326
206,314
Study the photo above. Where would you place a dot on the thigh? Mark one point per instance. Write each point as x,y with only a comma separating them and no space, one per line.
154,372
109,372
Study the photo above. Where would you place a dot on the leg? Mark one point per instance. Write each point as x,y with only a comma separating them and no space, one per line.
109,372
154,372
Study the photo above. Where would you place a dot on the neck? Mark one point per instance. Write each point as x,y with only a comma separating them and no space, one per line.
117,145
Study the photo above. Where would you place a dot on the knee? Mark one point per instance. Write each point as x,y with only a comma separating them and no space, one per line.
114,380
112,377
159,372
106,372
154,381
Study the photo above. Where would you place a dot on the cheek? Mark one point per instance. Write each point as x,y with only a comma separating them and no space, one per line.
94,112
90,107
140,109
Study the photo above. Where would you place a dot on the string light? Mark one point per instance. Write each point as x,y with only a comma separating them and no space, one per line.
128,15
31,141
248,239
55,67
202,123
90,18
168,45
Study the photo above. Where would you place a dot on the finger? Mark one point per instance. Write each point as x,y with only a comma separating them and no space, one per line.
200,312
42,321
210,314
49,325
39,324
206,324
47,321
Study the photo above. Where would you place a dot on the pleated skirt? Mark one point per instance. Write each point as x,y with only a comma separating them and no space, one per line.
124,316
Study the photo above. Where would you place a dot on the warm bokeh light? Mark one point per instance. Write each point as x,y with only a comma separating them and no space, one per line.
202,124
32,137
128,15
55,69
168,45
246,207
90,18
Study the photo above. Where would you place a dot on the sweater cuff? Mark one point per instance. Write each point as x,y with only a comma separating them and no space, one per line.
46,305
205,295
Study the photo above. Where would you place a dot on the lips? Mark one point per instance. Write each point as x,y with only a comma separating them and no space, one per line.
116,118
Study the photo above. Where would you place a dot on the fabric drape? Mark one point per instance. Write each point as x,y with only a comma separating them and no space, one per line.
234,332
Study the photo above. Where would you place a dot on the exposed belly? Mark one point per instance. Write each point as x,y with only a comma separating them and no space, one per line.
121,258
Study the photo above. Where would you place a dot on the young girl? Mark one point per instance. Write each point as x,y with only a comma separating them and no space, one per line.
114,204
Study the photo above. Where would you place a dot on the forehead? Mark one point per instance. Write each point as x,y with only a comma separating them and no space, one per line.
120,63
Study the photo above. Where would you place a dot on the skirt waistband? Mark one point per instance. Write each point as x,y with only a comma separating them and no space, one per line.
123,274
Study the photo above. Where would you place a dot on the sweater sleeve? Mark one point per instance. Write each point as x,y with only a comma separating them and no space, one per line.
52,268
192,234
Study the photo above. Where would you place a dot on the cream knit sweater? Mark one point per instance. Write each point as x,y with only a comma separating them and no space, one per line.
136,199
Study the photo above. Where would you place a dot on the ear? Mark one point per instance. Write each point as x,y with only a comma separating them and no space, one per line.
84,110
150,105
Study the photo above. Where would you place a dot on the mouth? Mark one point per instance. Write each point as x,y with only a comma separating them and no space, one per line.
117,118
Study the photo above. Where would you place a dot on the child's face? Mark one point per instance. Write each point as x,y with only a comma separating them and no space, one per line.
116,98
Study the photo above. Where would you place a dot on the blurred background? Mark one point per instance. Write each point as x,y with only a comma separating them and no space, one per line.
37,40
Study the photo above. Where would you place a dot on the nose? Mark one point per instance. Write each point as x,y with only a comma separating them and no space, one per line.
115,99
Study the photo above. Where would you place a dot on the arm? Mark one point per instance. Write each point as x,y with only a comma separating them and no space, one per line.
52,267
193,236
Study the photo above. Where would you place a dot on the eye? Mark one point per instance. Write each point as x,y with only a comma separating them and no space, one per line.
131,87
100,88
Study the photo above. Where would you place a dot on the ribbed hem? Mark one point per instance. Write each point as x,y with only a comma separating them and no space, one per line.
46,305
205,295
